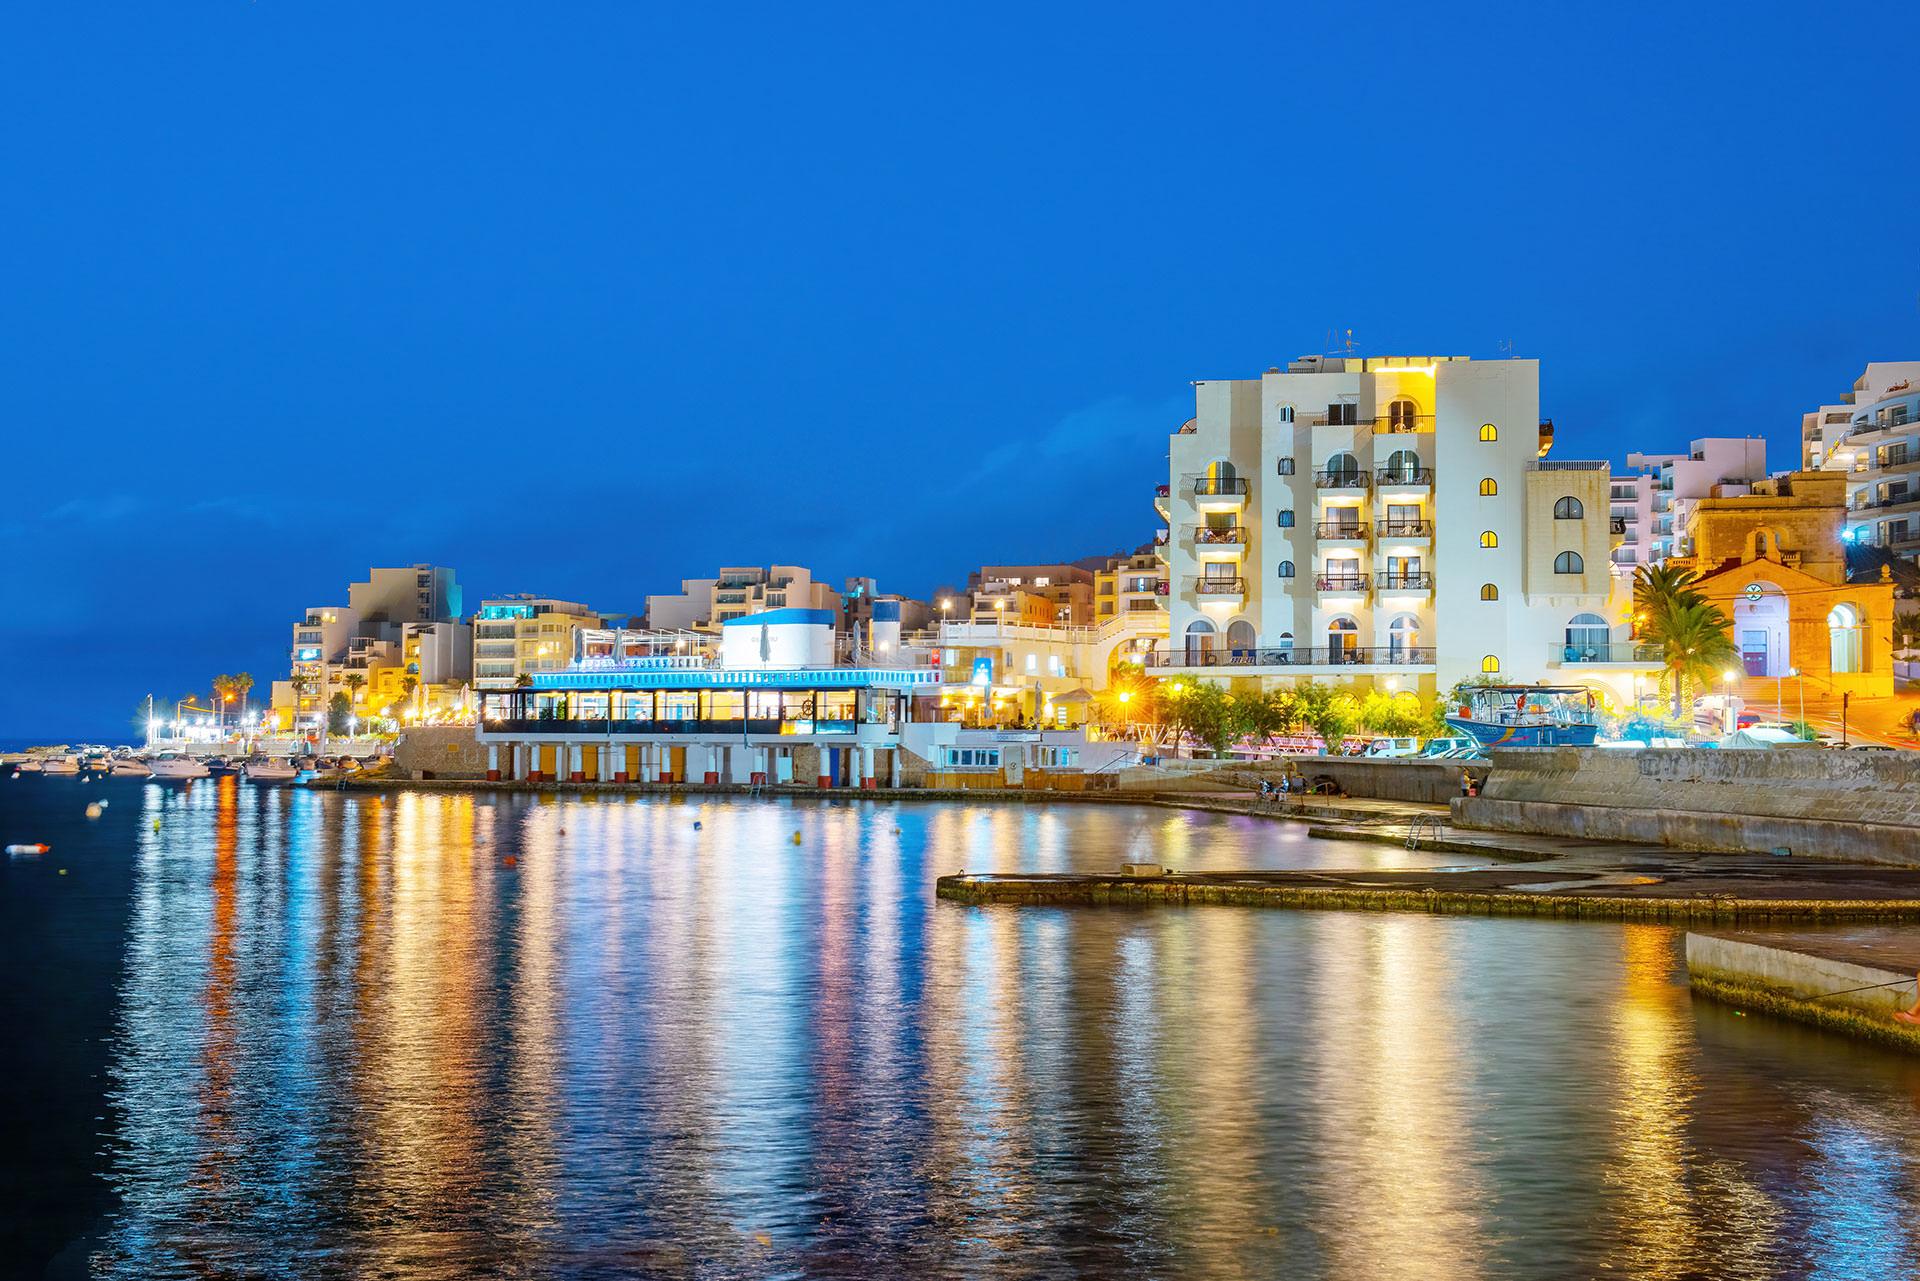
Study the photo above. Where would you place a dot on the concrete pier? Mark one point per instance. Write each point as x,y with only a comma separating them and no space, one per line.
1850,981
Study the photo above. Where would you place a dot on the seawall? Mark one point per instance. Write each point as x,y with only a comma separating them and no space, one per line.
1820,803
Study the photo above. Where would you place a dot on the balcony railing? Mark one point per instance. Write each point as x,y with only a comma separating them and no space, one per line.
1342,582
1603,652
1355,479
1161,537
1404,476
1297,656
577,726
1406,582
1220,587
1163,491
1206,535
1340,530
1220,486
1407,529
1163,588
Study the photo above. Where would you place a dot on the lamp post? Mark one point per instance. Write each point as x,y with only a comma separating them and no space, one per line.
1729,719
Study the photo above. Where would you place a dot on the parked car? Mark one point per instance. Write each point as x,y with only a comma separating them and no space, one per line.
1439,748
1384,747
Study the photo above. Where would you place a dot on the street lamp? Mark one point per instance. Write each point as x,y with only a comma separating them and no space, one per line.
1728,719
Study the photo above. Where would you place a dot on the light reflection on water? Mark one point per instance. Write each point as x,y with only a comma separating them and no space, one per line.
446,1035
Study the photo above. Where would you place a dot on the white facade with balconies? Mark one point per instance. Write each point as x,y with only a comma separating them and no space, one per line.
1874,437
1387,520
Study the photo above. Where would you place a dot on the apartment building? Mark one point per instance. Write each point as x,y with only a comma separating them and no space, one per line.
1389,521
1667,487
1873,436
339,648
515,636
735,592
1135,584
1034,595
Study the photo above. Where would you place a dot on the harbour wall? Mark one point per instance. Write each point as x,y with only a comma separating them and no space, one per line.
1823,804
1387,779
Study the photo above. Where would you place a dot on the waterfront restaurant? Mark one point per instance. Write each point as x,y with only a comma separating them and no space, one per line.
771,707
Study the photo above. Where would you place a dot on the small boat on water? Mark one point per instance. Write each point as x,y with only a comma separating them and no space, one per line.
29,766
221,765
60,765
130,767
1527,716
268,770
172,765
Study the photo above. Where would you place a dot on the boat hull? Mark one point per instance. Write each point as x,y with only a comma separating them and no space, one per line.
169,770
1525,735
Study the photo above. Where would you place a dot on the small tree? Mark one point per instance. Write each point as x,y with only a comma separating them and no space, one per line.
1264,715
339,707
1205,711
1332,713
1396,715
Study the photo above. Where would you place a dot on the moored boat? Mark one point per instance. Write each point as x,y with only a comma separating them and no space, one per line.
1527,716
130,767
172,765
268,770
60,765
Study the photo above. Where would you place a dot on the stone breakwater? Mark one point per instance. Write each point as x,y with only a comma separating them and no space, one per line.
1814,802
1565,895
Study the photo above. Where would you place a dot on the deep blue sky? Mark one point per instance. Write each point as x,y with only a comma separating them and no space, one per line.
579,299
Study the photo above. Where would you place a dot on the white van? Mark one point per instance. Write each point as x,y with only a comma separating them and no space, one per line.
1393,747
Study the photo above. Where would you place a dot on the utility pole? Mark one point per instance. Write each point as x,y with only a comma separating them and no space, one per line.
1845,699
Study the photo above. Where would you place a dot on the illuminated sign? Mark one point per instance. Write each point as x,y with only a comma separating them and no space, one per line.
983,671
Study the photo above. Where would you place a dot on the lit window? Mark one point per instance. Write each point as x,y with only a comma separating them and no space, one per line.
1489,539
1489,487
1490,664
1568,508
1489,432
1489,591
1569,563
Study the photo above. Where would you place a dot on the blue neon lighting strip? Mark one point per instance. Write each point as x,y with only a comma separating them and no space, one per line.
796,678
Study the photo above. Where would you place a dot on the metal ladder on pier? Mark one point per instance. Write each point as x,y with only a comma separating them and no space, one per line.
1422,823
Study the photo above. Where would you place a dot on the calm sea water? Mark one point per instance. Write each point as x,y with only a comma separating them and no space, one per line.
293,1034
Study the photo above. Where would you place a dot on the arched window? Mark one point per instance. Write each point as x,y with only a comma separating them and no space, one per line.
1221,470
1403,467
1569,508
1489,432
1343,466
1489,591
1489,539
1240,637
1286,519
1286,569
1343,640
1286,466
1489,487
1199,640
1402,415
1587,637
1843,634
1490,664
1569,563
1286,642
1403,637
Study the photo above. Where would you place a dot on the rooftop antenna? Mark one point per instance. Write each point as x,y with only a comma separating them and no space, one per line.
1506,348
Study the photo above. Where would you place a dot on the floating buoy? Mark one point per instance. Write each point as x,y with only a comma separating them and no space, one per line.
101,803
28,849
510,860
796,838
156,824
93,810
63,871
696,824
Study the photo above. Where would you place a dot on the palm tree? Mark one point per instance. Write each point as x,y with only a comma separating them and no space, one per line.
356,682
1694,644
222,695
1658,589
242,682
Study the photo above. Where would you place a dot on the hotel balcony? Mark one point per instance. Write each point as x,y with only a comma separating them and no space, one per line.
1403,583
1297,657
1162,499
1211,590
1396,479
1354,481
1349,583
1220,494
1209,542
1340,531
1419,531
1603,654
1162,538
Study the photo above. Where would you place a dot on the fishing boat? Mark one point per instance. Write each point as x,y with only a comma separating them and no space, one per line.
268,770
172,765
1527,716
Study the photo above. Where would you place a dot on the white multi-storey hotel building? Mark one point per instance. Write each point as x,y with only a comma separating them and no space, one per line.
1389,521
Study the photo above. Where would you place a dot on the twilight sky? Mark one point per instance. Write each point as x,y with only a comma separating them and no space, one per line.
580,299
